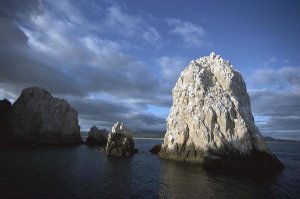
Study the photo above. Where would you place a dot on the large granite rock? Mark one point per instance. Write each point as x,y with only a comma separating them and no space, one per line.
6,136
39,117
120,141
210,121
97,137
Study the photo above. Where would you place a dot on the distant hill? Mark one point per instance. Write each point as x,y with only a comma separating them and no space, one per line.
149,134
271,139
140,133
160,134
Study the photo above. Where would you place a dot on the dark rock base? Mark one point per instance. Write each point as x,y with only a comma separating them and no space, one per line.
94,142
155,149
231,160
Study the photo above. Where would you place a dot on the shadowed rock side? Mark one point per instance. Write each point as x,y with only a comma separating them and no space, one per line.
120,141
5,123
210,121
40,118
155,149
97,137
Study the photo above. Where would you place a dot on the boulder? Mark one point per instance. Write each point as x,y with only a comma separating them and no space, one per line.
38,117
120,141
155,149
97,137
211,122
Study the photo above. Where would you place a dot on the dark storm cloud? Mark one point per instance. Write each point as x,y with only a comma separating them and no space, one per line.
70,58
15,9
110,112
277,104
100,109
75,66
280,103
10,34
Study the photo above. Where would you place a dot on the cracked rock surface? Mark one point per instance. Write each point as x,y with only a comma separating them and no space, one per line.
211,122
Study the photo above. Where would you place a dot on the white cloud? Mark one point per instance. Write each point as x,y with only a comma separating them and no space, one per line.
269,62
171,67
130,25
192,34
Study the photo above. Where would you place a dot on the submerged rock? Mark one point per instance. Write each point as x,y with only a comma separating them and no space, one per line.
97,137
210,121
120,141
155,149
38,117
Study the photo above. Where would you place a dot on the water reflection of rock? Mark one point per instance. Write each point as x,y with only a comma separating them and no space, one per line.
179,180
117,176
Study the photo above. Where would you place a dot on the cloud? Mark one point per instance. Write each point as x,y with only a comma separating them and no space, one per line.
278,99
106,113
15,9
269,62
44,44
171,67
193,35
282,78
57,51
130,25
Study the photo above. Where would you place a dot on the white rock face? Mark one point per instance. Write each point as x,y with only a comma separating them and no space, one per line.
41,118
120,128
211,115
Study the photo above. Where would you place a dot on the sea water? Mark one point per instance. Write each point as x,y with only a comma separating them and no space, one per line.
83,172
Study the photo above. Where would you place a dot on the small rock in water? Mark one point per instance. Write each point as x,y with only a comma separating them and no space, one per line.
97,137
120,141
155,149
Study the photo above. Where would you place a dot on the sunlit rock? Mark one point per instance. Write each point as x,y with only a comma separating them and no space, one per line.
210,121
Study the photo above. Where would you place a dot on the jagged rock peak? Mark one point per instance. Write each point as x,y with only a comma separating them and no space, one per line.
35,91
120,141
94,131
120,128
97,137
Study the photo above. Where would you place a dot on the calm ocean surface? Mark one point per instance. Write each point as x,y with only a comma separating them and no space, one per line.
82,172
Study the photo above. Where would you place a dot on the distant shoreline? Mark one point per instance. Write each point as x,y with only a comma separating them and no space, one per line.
267,139
271,139
146,138
136,138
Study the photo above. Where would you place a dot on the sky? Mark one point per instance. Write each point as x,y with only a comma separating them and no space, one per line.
119,60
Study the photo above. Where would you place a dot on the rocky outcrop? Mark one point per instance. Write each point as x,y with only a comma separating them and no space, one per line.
38,117
155,149
120,141
97,137
6,136
210,121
